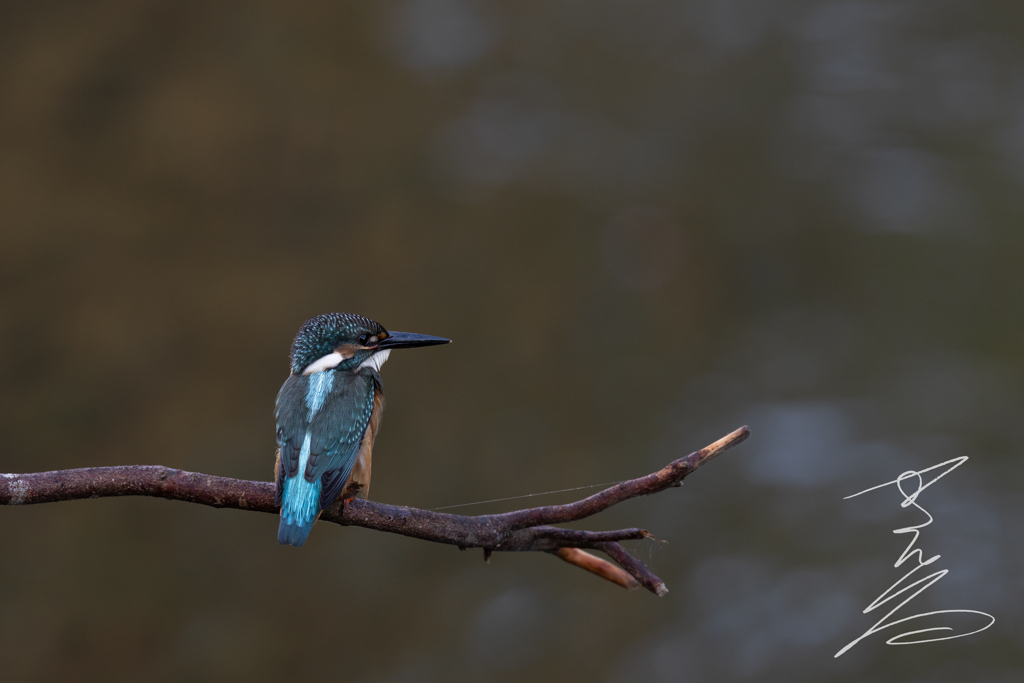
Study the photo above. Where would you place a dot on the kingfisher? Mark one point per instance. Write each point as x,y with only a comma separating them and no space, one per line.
328,413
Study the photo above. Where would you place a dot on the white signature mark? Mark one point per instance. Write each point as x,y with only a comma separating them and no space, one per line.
922,584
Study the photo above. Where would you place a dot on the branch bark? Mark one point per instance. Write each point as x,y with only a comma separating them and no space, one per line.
518,531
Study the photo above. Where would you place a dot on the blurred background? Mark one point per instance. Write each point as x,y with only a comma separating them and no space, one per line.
644,224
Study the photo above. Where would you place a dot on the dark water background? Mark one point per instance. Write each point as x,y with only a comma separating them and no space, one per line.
643,223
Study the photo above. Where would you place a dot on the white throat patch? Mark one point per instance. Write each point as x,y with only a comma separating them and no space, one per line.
328,362
376,360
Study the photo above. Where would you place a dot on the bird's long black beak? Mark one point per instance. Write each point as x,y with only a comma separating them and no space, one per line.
408,340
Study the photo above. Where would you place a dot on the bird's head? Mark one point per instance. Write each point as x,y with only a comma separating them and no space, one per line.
345,341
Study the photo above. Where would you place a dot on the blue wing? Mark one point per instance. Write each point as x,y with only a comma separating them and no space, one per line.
292,423
337,430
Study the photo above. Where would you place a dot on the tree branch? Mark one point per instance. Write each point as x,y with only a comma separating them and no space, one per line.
521,530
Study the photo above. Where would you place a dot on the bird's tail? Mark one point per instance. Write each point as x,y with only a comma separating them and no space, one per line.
293,533
300,506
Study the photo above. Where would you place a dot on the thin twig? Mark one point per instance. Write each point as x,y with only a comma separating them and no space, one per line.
635,567
603,568
521,530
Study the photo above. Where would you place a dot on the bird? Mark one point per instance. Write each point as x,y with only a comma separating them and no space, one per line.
328,413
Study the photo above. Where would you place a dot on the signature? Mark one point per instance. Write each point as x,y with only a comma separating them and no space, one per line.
923,583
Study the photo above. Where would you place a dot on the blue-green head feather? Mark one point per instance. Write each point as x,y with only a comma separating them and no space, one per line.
323,335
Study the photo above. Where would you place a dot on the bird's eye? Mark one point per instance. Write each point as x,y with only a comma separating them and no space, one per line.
363,338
